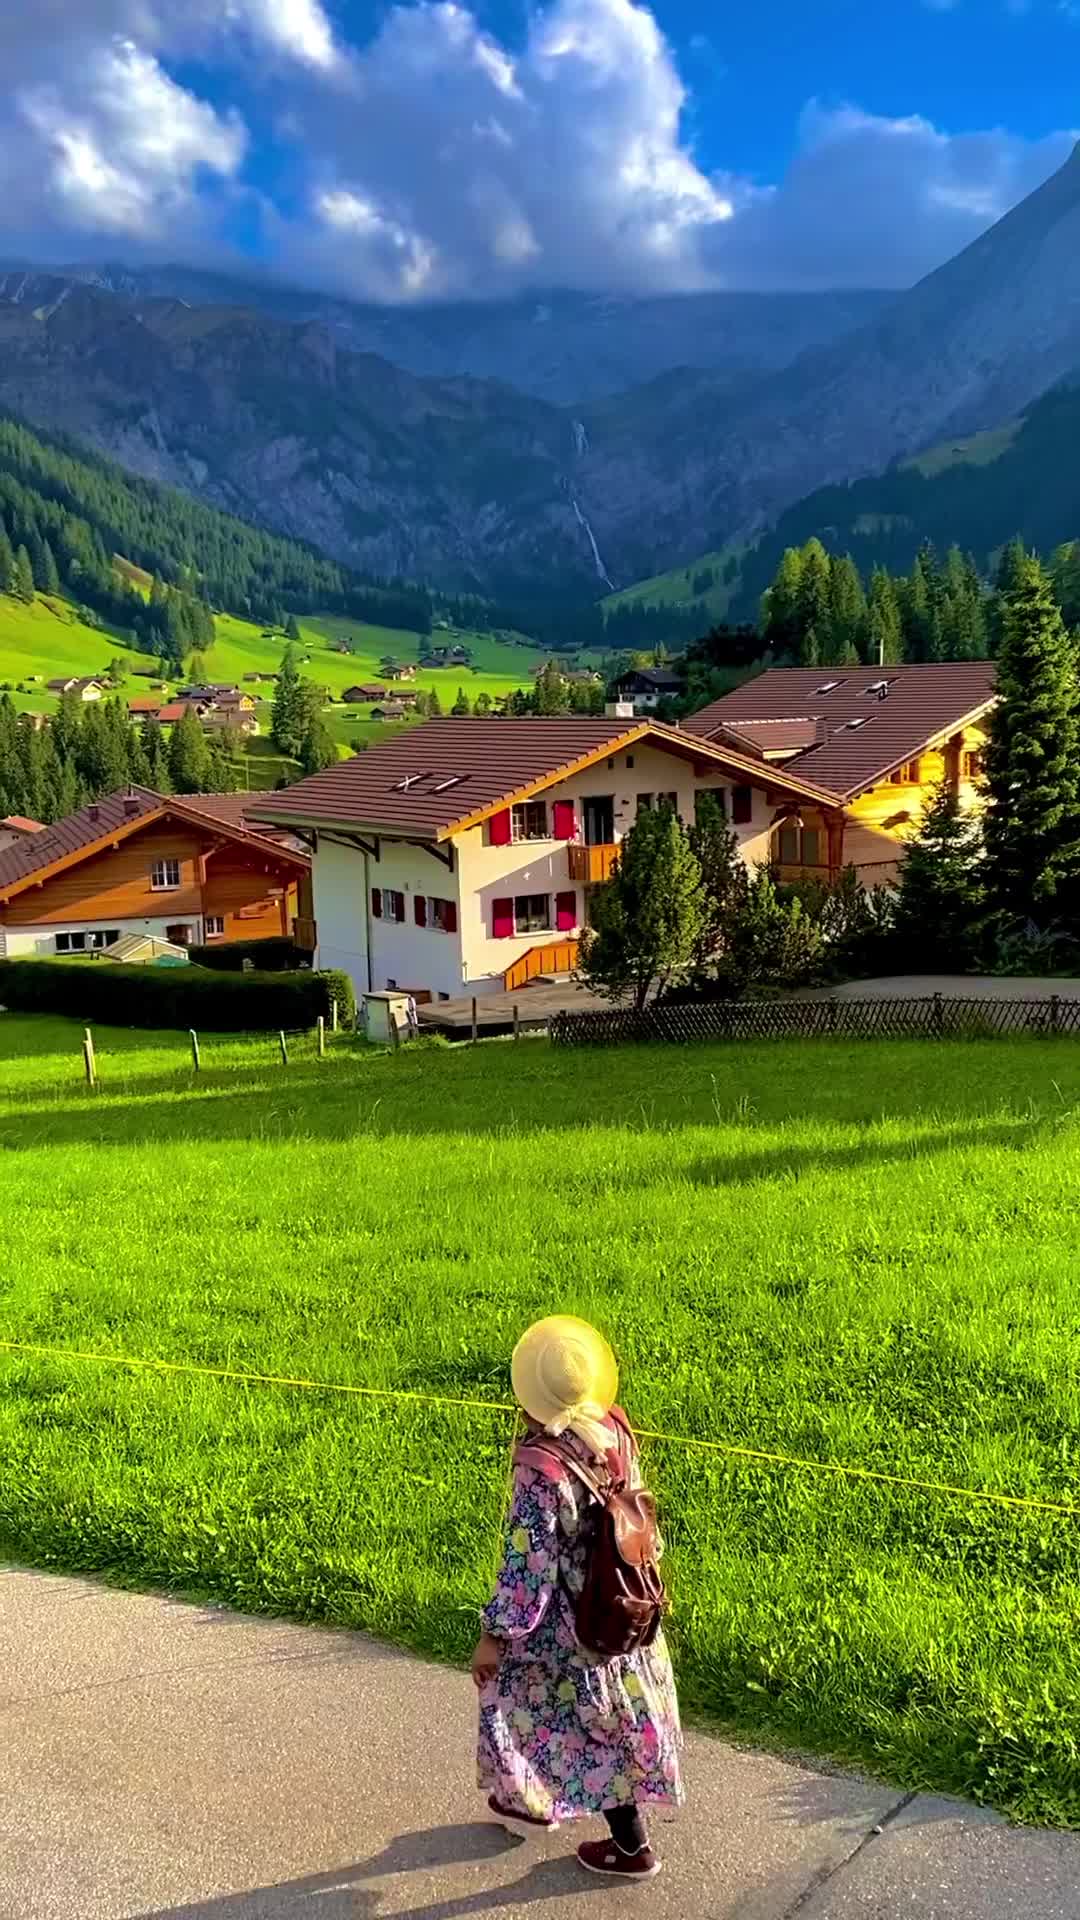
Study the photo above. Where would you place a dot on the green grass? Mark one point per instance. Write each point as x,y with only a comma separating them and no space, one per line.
676,589
862,1254
978,450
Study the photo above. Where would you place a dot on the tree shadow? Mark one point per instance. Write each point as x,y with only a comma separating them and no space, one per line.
796,1163
345,1893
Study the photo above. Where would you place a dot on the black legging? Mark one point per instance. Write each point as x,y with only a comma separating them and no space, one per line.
627,1828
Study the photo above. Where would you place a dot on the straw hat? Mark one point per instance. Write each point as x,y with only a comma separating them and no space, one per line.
564,1375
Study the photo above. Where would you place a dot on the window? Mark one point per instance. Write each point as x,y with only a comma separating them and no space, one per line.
215,925
719,794
440,914
629,759
532,913
908,776
89,942
828,686
530,820
742,805
387,903
973,766
164,875
647,800
795,846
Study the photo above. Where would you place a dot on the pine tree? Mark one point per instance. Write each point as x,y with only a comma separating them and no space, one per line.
646,921
884,631
286,729
1065,573
189,756
292,628
157,758
552,690
23,576
484,703
813,604
1033,758
317,749
47,577
941,895
7,561
434,704
780,606
461,707
847,614
724,876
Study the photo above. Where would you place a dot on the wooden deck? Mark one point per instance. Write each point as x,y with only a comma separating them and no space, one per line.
495,1011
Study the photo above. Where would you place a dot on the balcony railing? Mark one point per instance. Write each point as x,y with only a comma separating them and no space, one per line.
560,957
590,866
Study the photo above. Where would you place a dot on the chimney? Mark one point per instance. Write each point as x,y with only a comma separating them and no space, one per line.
131,807
94,813
619,710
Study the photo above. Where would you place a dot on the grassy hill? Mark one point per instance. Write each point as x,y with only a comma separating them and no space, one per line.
47,640
822,1250
706,586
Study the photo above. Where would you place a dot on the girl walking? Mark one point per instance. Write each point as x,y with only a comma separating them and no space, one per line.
564,1730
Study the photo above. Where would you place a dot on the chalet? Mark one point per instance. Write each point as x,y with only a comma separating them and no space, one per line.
231,721
399,672
175,710
458,856
877,740
390,710
235,701
362,696
17,828
185,870
143,705
86,689
647,686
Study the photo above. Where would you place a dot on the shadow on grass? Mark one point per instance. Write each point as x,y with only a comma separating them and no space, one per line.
316,1101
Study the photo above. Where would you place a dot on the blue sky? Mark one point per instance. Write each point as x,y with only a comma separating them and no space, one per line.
468,148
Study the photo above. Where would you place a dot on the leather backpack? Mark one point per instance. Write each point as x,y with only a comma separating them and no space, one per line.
622,1602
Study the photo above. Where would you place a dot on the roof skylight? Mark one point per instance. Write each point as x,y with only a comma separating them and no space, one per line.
829,686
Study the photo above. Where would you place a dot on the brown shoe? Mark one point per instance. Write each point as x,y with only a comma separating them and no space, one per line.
603,1856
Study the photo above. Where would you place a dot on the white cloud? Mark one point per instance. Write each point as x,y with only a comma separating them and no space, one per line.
123,144
871,201
438,160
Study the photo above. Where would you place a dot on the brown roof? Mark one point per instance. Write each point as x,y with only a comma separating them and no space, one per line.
774,736
444,775
923,702
175,710
18,823
144,704
121,813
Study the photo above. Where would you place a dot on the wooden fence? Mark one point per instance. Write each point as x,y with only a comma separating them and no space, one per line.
933,1016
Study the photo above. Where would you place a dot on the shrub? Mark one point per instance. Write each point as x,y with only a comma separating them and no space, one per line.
276,954
138,996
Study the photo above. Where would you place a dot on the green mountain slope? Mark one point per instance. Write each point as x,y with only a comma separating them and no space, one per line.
1022,478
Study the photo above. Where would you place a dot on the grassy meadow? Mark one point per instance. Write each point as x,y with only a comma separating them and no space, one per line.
853,1253
47,640
676,588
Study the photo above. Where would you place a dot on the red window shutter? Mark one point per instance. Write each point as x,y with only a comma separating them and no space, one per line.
449,916
399,907
565,826
420,909
565,912
376,902
502,919
499,828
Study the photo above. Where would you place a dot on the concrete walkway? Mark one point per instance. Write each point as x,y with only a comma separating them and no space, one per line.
176,1762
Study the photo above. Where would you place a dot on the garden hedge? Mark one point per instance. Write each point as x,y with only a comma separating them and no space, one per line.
147,996
275,954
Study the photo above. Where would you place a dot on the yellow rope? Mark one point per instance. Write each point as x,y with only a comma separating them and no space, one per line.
505,1407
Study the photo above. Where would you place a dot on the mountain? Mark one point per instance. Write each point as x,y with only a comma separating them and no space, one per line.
474,484
567,348
1021,478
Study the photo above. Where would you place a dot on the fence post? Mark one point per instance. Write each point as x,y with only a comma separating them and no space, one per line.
195,1059
833,1016
1055,1011
517,1022
320,1029
333,1015
474,1025
89,1060
284,1048
939,1015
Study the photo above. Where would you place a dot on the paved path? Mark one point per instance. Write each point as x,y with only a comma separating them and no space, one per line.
160,1761
954,986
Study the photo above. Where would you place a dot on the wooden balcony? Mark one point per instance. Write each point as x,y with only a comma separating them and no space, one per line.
560,957
591,866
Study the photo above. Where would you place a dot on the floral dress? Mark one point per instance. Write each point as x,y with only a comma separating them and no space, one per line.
561,1733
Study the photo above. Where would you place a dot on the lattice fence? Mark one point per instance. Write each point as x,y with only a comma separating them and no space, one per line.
934,1016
